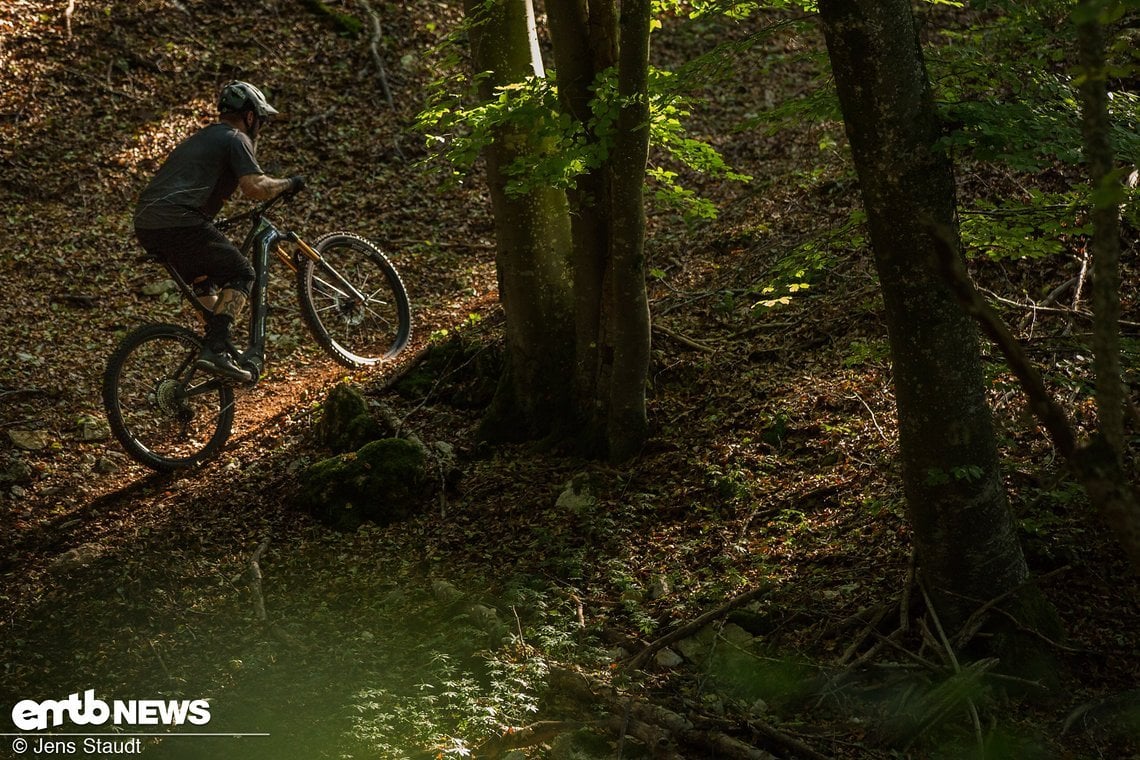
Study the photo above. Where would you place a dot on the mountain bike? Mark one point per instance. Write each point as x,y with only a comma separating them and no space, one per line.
169,415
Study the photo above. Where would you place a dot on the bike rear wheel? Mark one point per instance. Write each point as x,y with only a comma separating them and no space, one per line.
166,414
356,331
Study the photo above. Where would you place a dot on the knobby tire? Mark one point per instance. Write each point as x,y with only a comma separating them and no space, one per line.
165,414
356,335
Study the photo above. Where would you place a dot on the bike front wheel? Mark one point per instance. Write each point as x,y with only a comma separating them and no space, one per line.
353,301
166,414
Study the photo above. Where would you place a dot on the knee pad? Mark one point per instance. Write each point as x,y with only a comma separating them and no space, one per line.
243,281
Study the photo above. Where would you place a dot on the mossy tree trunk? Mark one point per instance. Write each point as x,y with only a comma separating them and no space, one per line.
586,43
591,38
532,249
967,547
1107,191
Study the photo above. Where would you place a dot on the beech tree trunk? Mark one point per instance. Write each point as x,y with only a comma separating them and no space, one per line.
967,548
533,245
608,221
627,425
585,43
1106,226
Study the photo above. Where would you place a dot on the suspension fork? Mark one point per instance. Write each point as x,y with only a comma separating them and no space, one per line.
313,255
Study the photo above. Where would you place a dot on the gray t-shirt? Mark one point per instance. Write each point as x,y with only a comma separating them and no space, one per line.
196,179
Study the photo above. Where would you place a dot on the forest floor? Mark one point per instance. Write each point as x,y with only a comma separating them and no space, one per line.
771,467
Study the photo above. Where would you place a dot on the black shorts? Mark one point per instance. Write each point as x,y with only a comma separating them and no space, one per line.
201,255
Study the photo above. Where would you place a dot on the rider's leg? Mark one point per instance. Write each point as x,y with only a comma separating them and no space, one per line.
235,274
204,256
215,354
226,311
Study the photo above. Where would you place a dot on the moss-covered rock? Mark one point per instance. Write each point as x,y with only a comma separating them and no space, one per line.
346,423
462,371
383,482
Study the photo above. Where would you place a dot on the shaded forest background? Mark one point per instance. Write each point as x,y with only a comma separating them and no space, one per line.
771,464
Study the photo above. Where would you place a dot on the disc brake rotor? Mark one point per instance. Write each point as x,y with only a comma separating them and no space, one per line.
351,312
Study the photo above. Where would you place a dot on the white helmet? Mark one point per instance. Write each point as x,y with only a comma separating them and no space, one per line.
241,96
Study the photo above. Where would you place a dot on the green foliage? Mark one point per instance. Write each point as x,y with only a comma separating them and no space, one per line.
1043,225
793,275
862,353
451,705
557,149
734,9
560,148
452,696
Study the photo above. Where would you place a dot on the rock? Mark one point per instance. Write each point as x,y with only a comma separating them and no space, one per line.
80,557
576,497
383,482
697,648
346,423
736,636
667,658
16,471
91,428
105,466
30,440
446,462
154,289
659,587
755,622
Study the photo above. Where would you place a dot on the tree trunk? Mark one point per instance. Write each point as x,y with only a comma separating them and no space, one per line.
965,538
628,309
1106,227
608,222
532,249
585,44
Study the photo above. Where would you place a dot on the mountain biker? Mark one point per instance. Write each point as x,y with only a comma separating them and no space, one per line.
174,216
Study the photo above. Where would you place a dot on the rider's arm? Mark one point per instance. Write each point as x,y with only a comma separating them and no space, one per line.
262,187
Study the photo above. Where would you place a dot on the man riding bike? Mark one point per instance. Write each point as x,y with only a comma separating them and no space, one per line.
174,216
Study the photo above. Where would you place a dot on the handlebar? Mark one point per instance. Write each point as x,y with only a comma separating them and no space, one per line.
255,213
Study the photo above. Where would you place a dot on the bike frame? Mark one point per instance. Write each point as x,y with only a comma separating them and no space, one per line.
261,243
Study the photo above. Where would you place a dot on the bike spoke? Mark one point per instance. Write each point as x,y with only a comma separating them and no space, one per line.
166,413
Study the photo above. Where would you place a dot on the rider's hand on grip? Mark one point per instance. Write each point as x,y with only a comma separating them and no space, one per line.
296,185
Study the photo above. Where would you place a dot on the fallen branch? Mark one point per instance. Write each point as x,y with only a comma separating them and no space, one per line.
684,340
374,49
689,629
788,742
255,582
68,13
657,727
259,599
539,732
